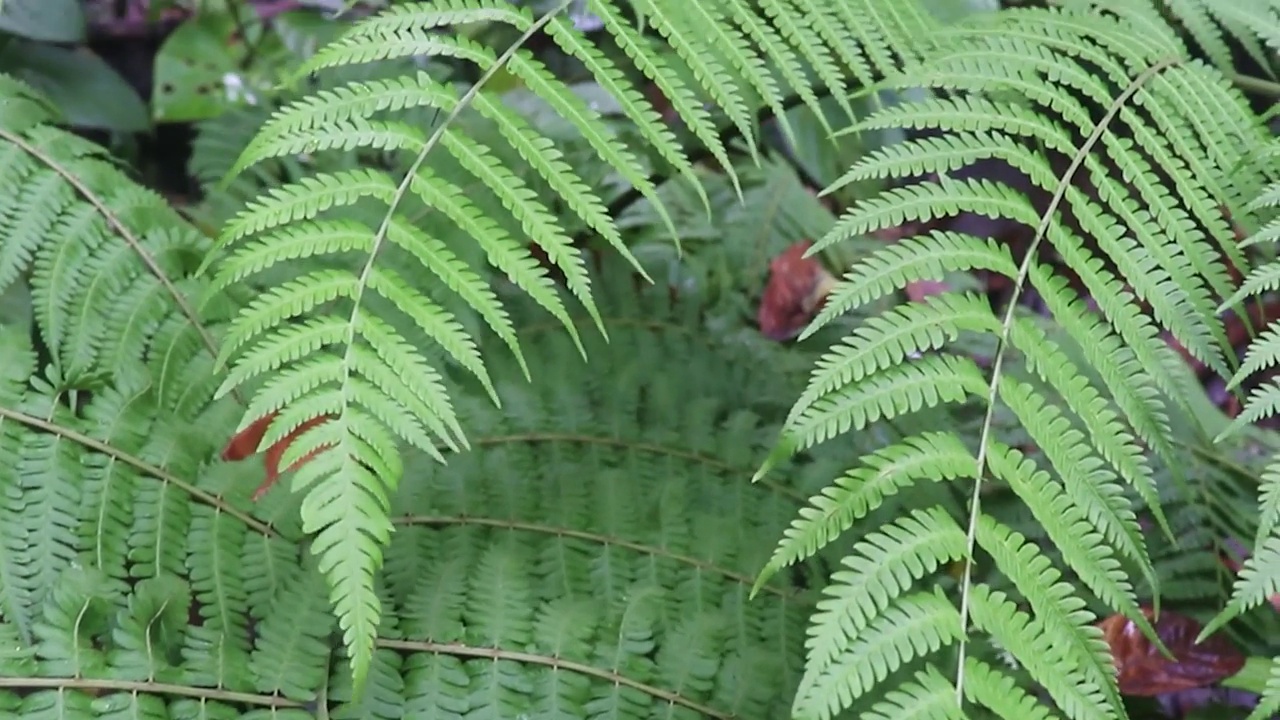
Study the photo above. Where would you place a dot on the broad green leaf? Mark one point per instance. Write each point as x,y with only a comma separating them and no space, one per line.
60,21
197,70
88,91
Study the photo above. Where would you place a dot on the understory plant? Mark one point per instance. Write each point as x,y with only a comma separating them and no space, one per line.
470,279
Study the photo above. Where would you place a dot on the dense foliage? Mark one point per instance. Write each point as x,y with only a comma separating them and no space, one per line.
472,273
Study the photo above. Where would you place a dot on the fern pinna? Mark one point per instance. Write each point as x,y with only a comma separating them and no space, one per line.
1259,578
1154,147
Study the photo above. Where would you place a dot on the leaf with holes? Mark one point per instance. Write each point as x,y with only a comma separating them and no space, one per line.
198,70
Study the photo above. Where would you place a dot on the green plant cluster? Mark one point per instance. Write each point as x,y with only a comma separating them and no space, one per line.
522,435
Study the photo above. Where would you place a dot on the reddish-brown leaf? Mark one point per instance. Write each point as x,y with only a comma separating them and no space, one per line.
796,289
245,443
1144,671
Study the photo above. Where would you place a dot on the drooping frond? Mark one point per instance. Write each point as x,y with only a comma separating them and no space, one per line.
589,549
591,557
391,261
1132,151
108,265
127,565
1259,577
1214,26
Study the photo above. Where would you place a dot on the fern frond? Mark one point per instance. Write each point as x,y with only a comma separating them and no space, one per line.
339,338
999,692
592,556
1270,702
115,534
1211,25
1093,110
1045,658
931,456
927,695
1061,612
919,625
376,376
1259,571
886,565
893,267
100,299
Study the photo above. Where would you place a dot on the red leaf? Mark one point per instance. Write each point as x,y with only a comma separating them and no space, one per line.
797,287
245,443
1144,671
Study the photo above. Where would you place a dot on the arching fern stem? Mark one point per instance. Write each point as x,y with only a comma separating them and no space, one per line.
1006,326
361,648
